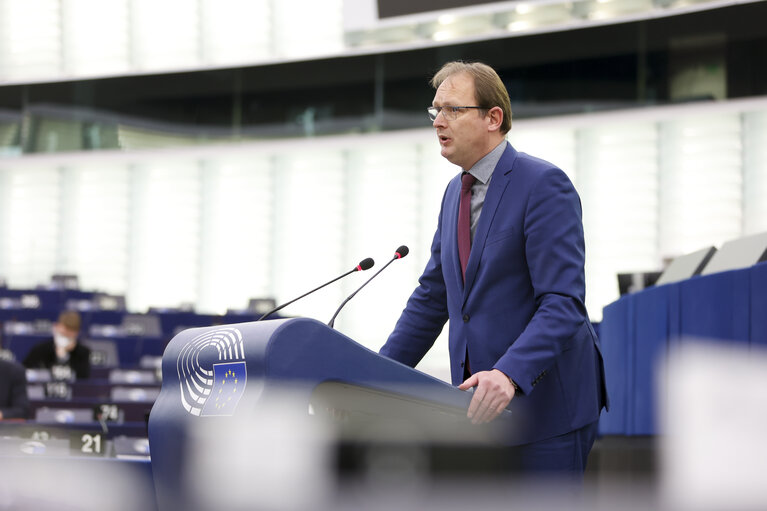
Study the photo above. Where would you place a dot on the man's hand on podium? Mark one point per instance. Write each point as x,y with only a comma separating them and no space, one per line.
493,393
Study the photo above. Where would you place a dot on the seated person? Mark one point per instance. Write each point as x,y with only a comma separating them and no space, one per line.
62,350
14,403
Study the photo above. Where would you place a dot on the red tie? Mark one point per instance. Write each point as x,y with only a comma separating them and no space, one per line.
464,221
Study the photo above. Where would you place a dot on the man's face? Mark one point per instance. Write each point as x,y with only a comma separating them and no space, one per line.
464,140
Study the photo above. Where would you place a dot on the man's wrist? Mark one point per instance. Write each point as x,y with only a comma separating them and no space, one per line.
511,380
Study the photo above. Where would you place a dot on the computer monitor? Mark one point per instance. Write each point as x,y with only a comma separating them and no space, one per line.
686,266
739,253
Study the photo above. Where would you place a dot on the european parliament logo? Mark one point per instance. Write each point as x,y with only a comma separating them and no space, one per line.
214,391
228,384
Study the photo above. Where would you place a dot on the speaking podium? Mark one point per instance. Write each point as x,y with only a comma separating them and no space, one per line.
214,375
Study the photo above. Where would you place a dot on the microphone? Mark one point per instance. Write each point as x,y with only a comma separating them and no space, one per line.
365,264
401,252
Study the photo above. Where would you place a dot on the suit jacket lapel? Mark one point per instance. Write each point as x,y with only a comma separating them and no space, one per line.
495,191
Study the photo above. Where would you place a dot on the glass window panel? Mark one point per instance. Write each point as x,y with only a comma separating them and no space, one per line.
618,184
95,226
237,231
701,182
30,39
10,130
383,203
556,145
165,233
131,138
309,228
31,238
95,35
236,31
307,27
54,135
755,172
165,35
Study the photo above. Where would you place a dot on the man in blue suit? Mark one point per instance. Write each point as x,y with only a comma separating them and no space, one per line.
510,278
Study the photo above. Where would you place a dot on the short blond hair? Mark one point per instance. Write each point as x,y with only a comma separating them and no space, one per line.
489,90
70,320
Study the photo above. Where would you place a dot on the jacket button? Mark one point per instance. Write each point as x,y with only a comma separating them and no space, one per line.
462,364
465,318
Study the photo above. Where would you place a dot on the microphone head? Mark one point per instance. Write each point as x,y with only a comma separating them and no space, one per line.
401,252
365,264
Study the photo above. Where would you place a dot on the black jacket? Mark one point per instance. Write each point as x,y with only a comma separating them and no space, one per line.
14,402
43,356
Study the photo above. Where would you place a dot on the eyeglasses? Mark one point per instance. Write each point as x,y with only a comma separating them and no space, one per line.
450,112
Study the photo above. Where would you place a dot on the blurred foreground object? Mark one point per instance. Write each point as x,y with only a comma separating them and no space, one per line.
714,452
32,480
244,414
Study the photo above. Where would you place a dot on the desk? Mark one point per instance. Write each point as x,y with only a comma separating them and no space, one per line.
134,411
173,322
46,299
637,331
130,348
134,429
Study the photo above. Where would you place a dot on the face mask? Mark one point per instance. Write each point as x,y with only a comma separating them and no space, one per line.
62,341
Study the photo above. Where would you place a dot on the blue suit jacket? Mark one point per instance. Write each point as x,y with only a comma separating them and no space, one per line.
522,308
